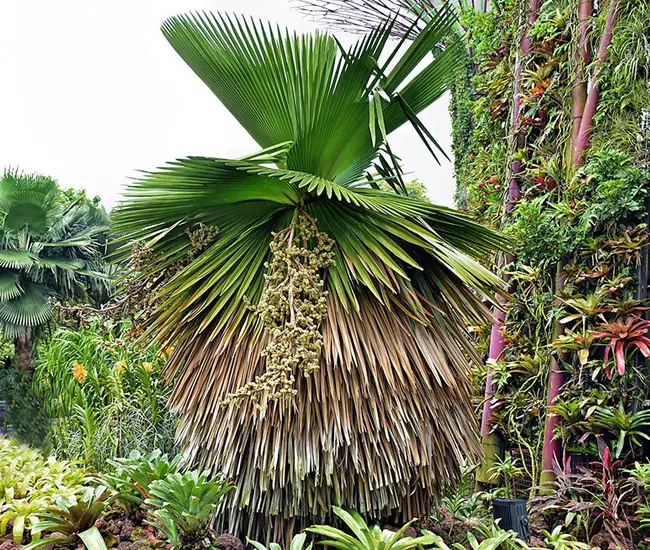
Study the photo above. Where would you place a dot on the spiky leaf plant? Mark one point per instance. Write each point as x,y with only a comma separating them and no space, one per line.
385,419
48,250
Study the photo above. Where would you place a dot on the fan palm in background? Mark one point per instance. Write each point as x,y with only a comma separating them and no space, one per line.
50,250
385,420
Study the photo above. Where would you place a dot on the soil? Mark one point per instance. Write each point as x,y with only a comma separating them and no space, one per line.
133,533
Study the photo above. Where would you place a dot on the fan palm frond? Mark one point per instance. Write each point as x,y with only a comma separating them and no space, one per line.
9,285
16,258
31,308
47,247
384,422
26,201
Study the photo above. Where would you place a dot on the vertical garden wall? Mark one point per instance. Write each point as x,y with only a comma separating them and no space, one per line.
550,143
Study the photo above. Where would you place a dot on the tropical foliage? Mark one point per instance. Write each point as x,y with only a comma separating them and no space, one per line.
398,294
29,483
104,394
51,250
320,326
550,141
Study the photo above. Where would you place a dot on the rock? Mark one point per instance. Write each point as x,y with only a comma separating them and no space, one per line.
101,524
226,541
126,529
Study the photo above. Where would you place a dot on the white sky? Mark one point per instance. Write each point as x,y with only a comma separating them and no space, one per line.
91,92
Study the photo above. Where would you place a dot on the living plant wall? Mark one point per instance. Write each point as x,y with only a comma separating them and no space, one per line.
550,128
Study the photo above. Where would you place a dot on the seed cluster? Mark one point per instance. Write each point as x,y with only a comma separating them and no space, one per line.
139,293
142,291
292,307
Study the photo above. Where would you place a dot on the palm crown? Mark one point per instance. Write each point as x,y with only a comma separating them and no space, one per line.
392,391
49,250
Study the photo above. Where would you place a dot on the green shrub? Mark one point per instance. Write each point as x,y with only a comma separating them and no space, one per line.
183,504
133,476
24,416
616,189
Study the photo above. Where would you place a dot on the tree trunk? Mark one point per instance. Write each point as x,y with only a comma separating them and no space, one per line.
552,447
23,345
593,89
491,442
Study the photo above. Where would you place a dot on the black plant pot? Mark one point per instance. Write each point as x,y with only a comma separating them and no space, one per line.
513,515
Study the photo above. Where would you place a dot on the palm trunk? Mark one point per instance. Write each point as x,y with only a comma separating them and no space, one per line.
491,441
23,346
552,450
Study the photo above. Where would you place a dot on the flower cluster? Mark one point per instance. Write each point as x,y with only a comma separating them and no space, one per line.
292,308
79,371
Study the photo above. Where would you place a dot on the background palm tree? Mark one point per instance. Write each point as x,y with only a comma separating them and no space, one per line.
50,249
386,419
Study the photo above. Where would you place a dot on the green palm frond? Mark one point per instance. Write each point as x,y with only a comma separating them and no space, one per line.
384,421
9,285
31,308
16,258
26,201
58,262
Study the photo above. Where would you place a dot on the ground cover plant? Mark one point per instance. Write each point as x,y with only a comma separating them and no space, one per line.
143,501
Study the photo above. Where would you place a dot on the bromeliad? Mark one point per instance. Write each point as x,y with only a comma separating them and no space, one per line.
621,337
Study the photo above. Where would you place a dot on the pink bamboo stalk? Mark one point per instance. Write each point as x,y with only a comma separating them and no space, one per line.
497,345
579,92
593,88
552,450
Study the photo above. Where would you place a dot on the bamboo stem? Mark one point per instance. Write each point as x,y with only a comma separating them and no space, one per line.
593,88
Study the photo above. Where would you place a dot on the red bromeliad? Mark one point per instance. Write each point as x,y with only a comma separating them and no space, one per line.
623,336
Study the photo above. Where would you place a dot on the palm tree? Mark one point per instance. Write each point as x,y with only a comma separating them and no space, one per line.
49,251
383,419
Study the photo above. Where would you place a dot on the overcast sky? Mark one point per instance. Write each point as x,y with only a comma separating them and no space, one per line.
91,92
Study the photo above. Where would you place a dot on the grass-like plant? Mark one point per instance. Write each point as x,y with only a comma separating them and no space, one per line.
106,393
